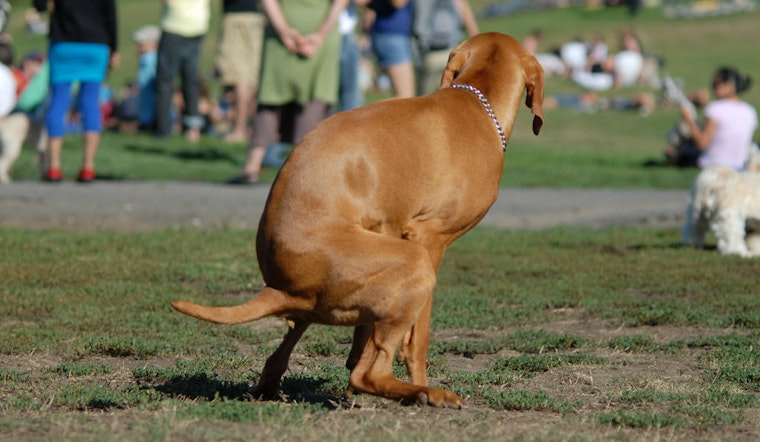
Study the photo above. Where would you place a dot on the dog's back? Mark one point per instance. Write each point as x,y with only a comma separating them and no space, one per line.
425,169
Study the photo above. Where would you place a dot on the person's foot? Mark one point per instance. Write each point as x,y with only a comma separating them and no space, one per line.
86,176
244,178
671,156
193,135
236,137
52,176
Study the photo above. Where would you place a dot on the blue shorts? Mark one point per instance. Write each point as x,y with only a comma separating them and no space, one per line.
392,49
74,61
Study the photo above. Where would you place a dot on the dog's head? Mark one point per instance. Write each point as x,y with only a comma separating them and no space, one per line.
492,60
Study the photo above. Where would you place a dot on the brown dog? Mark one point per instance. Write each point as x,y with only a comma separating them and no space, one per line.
361,213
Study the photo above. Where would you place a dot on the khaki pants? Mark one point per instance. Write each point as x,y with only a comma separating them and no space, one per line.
429,71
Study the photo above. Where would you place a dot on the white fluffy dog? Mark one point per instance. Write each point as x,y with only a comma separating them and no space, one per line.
726,202
15,130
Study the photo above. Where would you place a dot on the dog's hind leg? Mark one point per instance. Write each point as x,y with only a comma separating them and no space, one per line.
379,284
372,374
413,349
398,279
277,363
362,333
268,302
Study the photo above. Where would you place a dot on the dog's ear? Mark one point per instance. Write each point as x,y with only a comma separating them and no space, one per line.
456,62
534,87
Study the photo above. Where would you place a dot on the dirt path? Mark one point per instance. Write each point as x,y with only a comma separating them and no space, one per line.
146,205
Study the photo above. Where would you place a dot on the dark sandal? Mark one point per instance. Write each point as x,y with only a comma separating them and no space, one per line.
243,179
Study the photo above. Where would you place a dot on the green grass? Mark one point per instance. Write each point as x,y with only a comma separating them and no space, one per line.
91,309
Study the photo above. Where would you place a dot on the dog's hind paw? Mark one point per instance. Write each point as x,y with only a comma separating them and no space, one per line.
440,398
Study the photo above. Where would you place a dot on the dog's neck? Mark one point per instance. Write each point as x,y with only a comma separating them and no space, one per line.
489,111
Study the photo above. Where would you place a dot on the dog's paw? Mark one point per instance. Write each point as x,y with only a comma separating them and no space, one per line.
437,397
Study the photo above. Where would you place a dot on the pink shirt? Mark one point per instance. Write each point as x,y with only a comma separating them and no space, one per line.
736,122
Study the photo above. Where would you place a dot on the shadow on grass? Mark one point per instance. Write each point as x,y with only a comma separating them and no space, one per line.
310,391
617,249
110,177
656,163
202,386
194,153
644,247
671,246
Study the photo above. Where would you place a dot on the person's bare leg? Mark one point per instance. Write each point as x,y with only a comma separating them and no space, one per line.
402,79
253,161
265,126
91,142
244,102
55,144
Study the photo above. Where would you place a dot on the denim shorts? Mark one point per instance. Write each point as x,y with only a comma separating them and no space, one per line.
392,49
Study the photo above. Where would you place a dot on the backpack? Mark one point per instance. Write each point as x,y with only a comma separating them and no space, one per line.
437,25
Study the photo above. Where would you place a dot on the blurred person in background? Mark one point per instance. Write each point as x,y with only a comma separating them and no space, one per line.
83,44
299,75
146,39
350,94
439,26
726,135
184,23
238,60
8,85
391,38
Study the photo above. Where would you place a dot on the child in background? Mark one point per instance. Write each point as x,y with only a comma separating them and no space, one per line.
146,39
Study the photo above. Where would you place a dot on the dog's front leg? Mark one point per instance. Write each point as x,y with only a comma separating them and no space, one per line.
415,345
373,375
277,363
729,229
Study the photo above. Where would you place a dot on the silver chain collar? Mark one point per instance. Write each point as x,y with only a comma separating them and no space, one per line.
489,110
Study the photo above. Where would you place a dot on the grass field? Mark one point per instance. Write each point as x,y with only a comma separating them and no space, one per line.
563,334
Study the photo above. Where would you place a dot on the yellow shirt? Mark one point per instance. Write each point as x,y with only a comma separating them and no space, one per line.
188,18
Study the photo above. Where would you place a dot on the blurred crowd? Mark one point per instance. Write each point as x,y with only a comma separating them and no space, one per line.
279,69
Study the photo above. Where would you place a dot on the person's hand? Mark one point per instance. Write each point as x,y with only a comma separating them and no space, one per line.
310,44
115,60
685,113
290,38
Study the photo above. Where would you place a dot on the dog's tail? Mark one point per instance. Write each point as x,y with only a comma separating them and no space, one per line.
267,302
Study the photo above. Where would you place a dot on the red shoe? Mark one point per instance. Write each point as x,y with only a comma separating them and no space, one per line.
86,176
53,176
